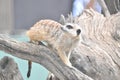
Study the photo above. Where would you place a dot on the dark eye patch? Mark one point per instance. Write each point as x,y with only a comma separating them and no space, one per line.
69,27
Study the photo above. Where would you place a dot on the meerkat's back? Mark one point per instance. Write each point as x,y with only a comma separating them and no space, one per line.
43,30
56,35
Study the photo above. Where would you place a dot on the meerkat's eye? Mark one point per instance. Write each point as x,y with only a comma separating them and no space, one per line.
69,26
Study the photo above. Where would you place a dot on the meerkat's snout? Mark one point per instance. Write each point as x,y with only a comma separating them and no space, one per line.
78,31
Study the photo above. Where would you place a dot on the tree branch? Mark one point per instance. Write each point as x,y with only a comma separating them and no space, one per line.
104,8
41,55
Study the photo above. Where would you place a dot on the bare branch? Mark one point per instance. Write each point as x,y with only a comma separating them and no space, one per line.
41,55
104,7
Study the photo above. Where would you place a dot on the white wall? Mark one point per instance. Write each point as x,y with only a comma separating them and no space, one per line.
6,15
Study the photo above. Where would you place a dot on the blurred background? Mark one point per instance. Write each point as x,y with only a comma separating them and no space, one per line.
17,15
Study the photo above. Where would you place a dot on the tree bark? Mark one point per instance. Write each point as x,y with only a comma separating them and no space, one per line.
9,69
96,57
41,55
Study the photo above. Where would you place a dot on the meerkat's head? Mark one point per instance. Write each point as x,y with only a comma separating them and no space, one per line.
71,29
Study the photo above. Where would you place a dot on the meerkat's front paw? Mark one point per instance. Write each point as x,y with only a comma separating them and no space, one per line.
68,63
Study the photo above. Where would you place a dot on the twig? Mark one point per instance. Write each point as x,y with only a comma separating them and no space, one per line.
104,8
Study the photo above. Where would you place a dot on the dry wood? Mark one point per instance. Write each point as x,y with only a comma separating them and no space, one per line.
99,52
9,69
41,55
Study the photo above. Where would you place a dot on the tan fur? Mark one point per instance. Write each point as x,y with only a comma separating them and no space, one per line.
50,31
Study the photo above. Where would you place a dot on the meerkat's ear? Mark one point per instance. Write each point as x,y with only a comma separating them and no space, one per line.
70,18
62,20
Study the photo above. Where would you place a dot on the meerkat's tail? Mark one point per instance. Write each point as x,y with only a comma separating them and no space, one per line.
29,68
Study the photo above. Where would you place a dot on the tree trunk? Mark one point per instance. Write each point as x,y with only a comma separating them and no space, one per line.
96,58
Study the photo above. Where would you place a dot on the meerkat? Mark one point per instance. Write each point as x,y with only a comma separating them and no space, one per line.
62,38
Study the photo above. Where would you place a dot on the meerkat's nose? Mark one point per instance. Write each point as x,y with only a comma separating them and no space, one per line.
78,31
